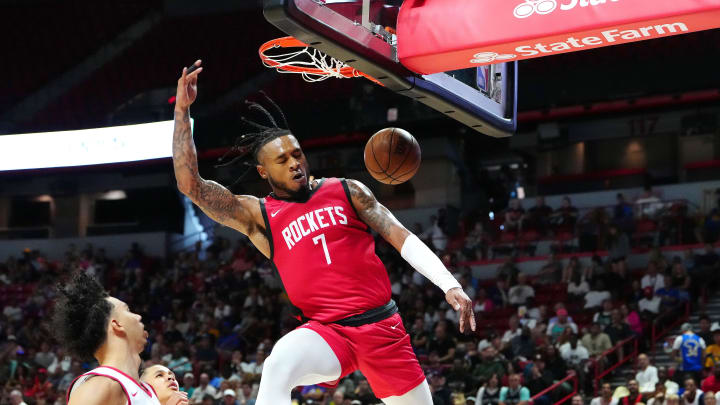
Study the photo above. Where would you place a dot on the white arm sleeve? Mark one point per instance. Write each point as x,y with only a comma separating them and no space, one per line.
422,259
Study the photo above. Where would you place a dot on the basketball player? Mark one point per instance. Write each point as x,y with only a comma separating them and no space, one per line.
89,323
317,236
165,385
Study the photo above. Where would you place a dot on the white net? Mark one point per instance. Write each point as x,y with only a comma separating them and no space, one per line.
310,58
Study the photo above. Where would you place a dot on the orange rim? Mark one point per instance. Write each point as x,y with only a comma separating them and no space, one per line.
292,42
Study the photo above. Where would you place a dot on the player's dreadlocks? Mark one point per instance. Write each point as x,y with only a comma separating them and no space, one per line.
249,144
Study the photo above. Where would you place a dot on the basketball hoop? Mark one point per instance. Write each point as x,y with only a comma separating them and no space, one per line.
313,65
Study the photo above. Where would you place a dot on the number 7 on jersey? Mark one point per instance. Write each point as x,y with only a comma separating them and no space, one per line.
321,238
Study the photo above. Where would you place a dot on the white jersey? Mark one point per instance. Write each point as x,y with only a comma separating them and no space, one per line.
137,393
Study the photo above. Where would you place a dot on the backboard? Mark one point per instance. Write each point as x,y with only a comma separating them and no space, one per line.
362,34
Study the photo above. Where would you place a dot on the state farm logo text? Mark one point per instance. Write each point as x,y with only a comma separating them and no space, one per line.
530,7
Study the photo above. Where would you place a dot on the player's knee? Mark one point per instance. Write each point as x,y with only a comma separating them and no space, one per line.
277,369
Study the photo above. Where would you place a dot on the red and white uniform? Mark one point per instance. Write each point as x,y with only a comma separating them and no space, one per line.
325,256
137,393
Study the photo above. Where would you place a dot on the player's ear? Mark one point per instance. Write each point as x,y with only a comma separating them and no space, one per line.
261,171
116,327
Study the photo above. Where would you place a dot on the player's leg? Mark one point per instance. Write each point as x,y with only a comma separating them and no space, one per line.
386,358
302,357
419,395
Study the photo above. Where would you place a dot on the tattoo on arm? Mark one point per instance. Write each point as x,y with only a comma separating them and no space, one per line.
214,199
184,153
376,215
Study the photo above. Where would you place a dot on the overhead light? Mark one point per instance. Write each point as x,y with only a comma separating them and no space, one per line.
113,195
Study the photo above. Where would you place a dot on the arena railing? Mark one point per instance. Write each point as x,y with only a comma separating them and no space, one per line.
661,327
597,364
570,377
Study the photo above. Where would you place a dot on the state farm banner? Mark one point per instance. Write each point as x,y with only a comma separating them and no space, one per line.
440,35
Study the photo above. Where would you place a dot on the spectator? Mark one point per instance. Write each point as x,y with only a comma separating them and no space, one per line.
499,293
596,341
577,287
680,278
606,396
538,217
514,393
618,249
188,384
692,395
440,393
595,297
509,271
45,357
513,216
571,269
420,336
513,331
206,354
632,318
650,305
652,278
519,294
647,374
178,361
481,302
604,316
577,399
312,393
576,356
622,212
672,399
561,325
436,235
442,343
671,387
689,349
490,363
551,272
658,397
712,353
712,382
669,295
634,397
475,247
247,394
203,390
554,363
618,329
538,379
565,216
705,331
710,398
489,393
16,398
523,347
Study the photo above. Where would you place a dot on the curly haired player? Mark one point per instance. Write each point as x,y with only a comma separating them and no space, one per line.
316,233
92,324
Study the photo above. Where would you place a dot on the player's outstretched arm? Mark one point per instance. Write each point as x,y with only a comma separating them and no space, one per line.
412,249
99,391
237,212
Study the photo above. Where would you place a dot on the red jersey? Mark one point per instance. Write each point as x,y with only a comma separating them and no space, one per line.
325,254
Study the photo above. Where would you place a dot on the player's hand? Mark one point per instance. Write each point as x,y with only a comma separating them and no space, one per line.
187,87
178,398
457,299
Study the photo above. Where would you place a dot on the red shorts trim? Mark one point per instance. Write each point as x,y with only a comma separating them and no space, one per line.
381,351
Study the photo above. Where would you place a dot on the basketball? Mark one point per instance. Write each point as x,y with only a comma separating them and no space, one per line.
392,156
